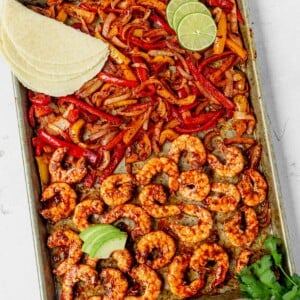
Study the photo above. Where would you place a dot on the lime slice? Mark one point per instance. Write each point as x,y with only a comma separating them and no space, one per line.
196,31
188,8
172,7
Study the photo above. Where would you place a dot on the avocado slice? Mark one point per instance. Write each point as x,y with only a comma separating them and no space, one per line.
111,242
94,229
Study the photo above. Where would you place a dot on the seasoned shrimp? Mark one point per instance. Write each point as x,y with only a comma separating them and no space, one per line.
71,175
135,213
64,201
194,185
115,283
155,166
71,240
152,193
160,241
149,280
196,233
84,210
235,234
243,260
76,273
234,160
124,260
253,187
227,199
211,252
190,144
117,189
176,278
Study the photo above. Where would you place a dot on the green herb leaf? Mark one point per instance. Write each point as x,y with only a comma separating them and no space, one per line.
271,243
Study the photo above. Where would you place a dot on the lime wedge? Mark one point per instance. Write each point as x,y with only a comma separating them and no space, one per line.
171,8
196,31
188,8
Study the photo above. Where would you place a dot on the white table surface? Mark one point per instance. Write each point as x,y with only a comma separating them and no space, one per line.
276,25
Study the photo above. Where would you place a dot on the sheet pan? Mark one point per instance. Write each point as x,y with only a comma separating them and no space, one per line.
39,228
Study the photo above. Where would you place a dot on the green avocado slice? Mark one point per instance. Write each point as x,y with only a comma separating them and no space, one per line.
109,243
96,229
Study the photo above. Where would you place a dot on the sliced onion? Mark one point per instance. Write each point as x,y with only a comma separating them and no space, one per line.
117,42
240,115
112,100
184,74
106,25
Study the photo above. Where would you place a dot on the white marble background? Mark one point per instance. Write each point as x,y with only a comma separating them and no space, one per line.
276,26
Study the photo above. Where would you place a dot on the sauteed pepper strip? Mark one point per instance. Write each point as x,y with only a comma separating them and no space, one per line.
116,80
209,87
93,110
73,149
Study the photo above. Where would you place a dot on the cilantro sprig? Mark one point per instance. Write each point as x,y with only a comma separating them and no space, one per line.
266,278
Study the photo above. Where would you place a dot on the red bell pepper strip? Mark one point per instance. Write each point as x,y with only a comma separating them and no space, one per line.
39,98
31,118
38,145
73,149
240,17
146,46
162,23
91,109
106,77
209,87
208,125
142,72
116,158
213,58
227,5
114,141
204,117
143,75
182,93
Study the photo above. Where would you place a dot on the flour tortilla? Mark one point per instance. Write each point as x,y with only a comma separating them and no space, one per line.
46,40
51,88
29,69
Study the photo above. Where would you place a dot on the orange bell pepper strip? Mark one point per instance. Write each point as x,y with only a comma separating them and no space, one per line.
219,44
43,168
167,135
79,13
133,129
159,5
237,49
164,93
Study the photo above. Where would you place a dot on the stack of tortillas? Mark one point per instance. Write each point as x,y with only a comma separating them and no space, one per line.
48,56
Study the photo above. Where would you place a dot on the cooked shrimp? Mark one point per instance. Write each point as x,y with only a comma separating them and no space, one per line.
242,260
196,233
71,240
71,175
211,252
235,234
227,199
64,201
124,260
135,213
117,189
190,144
176,278
234,160
84,210
253,187
152,193
155,166
194,185
115,283
149,280
76,273
159,241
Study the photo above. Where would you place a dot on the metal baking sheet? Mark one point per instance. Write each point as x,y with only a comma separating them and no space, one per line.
39,229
